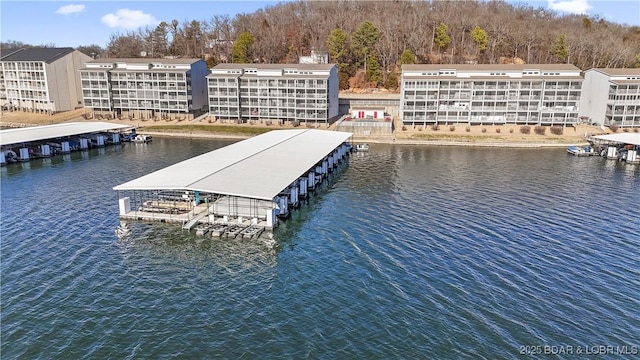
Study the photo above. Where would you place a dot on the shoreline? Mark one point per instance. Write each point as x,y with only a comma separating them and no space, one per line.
390,141
497,136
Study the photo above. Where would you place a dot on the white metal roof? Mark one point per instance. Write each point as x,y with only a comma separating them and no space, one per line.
259,167
35,133
626,138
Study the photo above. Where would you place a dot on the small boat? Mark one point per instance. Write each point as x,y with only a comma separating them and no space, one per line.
10,156
142,138
581,151
362,147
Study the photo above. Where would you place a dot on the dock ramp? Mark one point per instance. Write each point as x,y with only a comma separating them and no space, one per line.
196,219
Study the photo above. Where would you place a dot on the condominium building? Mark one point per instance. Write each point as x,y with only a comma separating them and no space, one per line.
490,94
280,92
611,97
41,79
145,88
3,90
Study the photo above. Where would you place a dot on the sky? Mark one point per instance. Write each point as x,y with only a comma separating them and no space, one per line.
75,23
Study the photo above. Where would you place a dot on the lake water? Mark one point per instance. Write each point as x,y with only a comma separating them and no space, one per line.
410,252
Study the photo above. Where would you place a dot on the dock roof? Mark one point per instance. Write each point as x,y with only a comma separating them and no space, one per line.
35,133
259,167
625,138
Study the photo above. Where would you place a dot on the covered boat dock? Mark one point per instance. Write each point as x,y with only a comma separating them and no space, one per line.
24,144
248,184
623,146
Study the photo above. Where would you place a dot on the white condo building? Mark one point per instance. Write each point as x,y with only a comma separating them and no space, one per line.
611,97
281,92
145,88
41,79
546,94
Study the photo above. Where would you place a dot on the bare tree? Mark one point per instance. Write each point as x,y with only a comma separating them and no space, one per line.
285,31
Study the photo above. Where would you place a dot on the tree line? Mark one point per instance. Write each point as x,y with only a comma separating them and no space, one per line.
370,40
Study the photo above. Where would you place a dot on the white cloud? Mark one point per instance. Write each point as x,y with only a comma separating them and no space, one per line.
570,6
129,19
70,9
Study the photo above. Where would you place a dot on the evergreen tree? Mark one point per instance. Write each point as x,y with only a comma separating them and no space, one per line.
374,76
392,82
364,40
240,52
407,57
480,38
559,48
441,38
338,48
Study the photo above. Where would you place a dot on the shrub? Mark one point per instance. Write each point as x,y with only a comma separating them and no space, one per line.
419,129
452,128
525,129
540,130
435,127
636,130
404,128
498,130
556,130
484,130
625,129
468,128
614,127
511,131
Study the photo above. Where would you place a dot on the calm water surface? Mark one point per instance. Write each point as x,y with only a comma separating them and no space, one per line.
411,252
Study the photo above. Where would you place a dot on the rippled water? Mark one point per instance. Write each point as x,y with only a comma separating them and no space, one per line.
411,252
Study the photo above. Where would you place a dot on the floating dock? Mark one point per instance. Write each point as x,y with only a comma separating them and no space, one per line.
239,190
25,144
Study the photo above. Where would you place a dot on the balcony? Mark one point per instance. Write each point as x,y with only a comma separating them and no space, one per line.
559,108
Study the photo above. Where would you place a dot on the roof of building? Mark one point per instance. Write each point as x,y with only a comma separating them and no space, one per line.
368,96
625,82
259,167
489,67
284,76
47,55
275,66
6,51
180,61
476,78
618,71
534,78
625,138
118,70
35,133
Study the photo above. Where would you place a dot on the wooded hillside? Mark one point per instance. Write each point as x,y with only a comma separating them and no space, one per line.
380,35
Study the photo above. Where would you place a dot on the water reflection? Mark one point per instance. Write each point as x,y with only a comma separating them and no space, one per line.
169,244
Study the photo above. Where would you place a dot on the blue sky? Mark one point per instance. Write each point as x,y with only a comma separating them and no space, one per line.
74,23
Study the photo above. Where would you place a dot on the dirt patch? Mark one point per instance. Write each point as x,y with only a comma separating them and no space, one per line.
25,117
